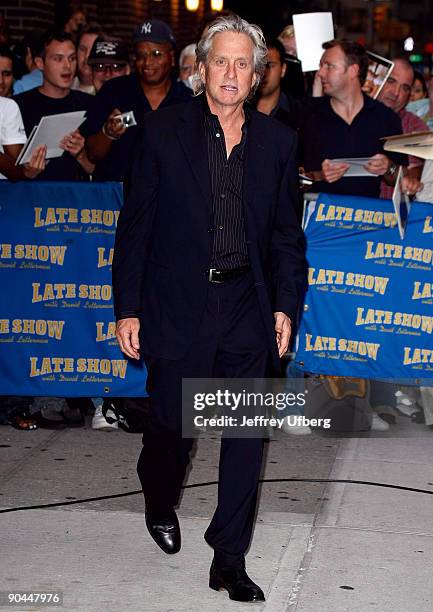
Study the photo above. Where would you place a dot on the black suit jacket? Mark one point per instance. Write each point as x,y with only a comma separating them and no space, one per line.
163,244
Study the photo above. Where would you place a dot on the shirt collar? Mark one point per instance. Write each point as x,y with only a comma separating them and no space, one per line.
369,103
208,113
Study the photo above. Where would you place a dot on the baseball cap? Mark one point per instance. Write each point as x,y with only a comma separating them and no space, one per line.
108,51
155,31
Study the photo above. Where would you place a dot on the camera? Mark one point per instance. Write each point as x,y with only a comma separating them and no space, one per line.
127,119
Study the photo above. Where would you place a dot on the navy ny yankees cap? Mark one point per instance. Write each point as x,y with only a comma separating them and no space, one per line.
155,31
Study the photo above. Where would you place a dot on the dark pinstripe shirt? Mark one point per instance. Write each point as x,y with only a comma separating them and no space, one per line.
229,243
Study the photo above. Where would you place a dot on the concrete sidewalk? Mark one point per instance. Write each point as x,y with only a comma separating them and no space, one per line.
316,547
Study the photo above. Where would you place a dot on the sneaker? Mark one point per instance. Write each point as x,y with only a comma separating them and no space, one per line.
100,422
406,405
378,424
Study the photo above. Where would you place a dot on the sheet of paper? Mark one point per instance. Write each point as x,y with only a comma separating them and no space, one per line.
356,166
311,31
418,144
50,132
401,203
26,145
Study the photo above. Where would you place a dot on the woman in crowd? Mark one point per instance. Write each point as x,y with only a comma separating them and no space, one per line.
423,107
419,87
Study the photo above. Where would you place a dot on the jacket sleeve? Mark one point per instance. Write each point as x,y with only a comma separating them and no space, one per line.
134,227
289,266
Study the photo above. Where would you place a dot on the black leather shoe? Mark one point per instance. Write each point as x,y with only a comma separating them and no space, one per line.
236,581
164,529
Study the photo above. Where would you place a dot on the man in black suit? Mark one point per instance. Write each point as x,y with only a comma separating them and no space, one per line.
207,274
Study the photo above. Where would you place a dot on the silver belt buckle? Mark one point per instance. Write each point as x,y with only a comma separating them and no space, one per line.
211,278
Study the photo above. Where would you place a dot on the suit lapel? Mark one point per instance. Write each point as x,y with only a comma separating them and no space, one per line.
255,153
193,141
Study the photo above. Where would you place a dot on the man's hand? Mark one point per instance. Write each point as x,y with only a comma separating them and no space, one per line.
317,91
411,185
127,337
37,162
114,128
283,328
378,164
73,143
333,171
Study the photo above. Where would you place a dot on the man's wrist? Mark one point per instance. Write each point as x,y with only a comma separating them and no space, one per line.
127,314
392,170
104,131
276,312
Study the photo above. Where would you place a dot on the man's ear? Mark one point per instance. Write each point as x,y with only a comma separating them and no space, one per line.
254,81
173,60
39,62
353,70
202,72
283,69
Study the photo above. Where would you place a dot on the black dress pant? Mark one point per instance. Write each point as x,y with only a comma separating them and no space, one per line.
230,343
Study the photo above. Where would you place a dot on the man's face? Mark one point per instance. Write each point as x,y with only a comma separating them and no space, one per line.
229,72
83,51
101,73
153,62
6,77
275,70
396,91
186,69
60,64
333,71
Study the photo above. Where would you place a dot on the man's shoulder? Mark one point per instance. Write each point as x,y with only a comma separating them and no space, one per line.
171,115
380,120
119,85
80,98
27,97
271,128
7,105
318,104
81,95
380,110
412,123
180,92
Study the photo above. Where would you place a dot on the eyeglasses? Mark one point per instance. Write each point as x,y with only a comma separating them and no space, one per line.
108,67
155,54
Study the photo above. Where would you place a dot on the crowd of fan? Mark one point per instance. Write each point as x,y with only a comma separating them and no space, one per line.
84,68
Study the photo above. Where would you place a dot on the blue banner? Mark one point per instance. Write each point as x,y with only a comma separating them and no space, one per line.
57,330
368,310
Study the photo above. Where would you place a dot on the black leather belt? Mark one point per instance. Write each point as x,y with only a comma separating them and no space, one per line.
222,276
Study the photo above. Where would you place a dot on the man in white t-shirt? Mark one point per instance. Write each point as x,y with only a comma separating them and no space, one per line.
12,139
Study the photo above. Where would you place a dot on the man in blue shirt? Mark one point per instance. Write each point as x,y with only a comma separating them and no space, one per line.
109,144
31,48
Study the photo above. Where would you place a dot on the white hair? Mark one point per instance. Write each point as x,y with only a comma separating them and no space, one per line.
232,23
188,50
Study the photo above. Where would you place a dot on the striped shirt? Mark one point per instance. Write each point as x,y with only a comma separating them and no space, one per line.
409,123
228,229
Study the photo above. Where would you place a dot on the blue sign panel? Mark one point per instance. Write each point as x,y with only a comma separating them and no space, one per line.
368,310
57,330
